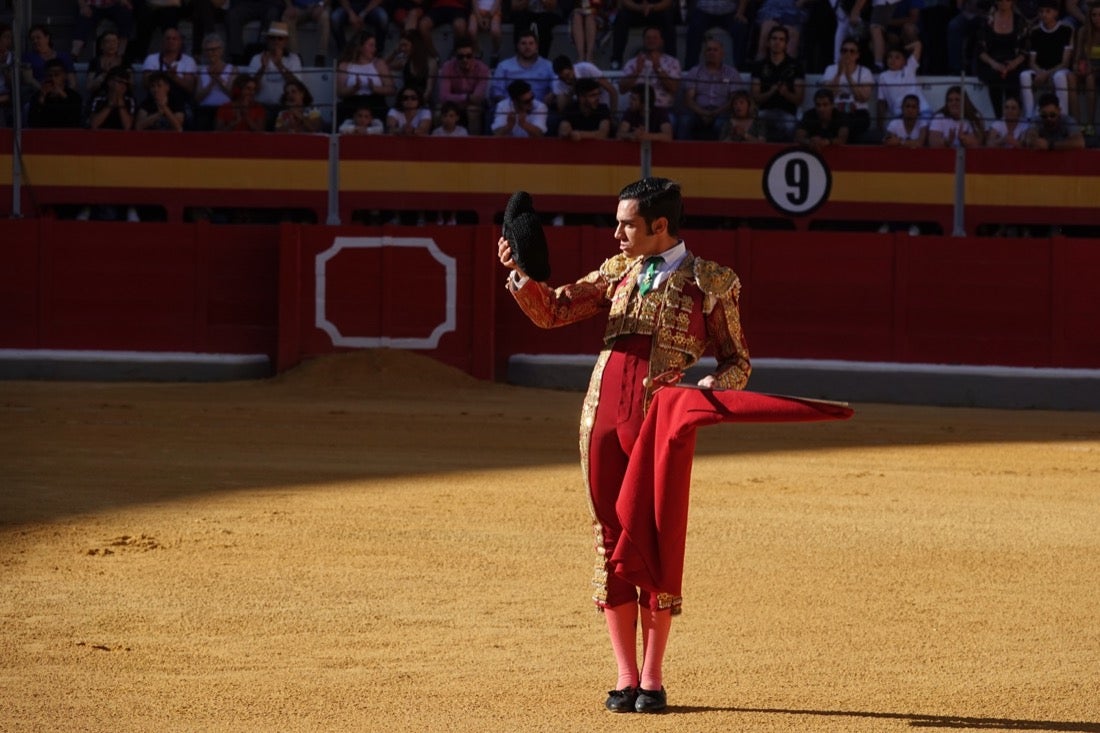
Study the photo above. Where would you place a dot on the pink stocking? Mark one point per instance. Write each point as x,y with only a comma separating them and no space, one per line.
655,628
622,625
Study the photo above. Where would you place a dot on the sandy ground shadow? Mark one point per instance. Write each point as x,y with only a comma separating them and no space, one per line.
375,542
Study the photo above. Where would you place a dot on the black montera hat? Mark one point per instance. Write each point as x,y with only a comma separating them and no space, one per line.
523,230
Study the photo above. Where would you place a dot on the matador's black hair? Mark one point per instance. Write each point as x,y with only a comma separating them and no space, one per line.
657,197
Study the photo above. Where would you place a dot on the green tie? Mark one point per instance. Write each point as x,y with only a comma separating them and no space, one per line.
649,274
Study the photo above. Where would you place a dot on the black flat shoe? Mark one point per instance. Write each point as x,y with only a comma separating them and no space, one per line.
651,701
622,701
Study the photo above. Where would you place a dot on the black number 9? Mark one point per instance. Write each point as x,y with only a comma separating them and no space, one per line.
797,174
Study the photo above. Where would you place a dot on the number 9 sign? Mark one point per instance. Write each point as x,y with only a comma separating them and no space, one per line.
797,181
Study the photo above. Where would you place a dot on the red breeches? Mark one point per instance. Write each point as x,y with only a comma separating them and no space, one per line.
618,422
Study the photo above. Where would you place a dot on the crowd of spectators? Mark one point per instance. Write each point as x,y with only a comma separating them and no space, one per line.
748,82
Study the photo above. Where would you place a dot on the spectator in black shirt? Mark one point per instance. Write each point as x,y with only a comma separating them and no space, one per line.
823,125
1051,48
778,88
56,104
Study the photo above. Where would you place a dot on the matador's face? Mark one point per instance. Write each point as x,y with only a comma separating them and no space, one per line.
636,238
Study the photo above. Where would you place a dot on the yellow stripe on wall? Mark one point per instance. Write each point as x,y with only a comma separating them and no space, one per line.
480,178
1076,192
95,171
92,171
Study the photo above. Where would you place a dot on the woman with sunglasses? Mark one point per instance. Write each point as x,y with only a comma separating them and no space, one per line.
409,117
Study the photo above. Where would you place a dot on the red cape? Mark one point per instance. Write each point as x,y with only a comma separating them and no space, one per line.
653,502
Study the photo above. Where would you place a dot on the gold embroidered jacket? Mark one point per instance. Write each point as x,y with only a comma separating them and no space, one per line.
693,309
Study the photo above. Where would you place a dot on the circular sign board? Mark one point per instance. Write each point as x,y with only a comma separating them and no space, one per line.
797,181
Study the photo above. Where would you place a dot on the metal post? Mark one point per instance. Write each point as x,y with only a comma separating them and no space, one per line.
19,32
959,229
333,164
333,178
646,151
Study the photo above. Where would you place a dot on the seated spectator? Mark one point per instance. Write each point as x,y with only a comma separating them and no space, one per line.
1009,131
409,117
521,114
215,83
911,129
1001,52
114,108
240,14
587,118
957,123
899,81
298,113
526,65
585,22
297,12
789,14
414,65
56,104
708,92
242,113
729,15
563,88
158,111
744,126
778,88
654,67
660,14
90,13
7,75
854,88
1087,65
40,52
485,18
542,16
464,81
178,68
450,116
822,126
1049,59
363,77
370,16
633,126
108,55
1054,130
362,122
274,67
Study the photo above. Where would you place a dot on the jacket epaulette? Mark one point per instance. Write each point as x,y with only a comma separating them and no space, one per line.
616,267
714,279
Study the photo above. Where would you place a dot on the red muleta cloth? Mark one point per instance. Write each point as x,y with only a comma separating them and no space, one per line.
653,501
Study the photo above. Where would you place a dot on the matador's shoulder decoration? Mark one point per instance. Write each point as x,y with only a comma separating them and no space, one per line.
615,268
714,279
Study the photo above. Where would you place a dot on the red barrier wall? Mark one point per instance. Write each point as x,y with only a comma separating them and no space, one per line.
870,184
141,287
299,291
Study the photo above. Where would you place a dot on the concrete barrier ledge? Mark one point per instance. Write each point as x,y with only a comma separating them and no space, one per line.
130,366
854,381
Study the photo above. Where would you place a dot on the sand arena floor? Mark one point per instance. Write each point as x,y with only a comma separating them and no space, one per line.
375,542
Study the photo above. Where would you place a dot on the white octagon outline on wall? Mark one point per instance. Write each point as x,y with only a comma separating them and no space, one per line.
341,243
